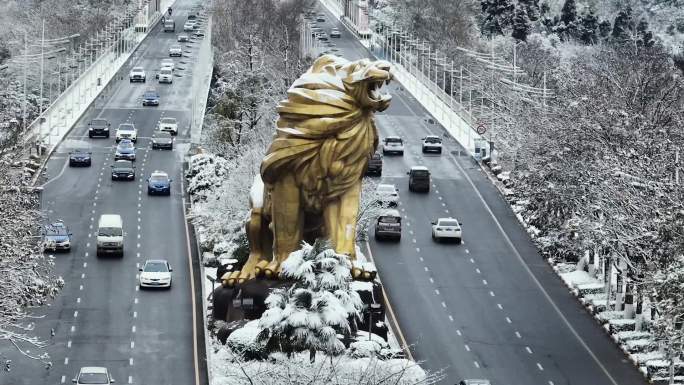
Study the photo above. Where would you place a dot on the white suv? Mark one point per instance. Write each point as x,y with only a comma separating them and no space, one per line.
432,143
137,74
165,75
175,50
127,131
169,125
393,145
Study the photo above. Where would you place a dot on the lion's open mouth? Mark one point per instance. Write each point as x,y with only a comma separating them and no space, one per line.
374,90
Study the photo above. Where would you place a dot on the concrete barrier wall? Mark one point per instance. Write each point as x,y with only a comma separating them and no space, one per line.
201,82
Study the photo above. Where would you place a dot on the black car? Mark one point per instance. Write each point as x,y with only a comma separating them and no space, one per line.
419,179
375,165
159,183
162,140
123,170
80,158
98,127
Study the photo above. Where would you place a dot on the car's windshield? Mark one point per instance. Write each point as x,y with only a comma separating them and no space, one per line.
166,71
386,189
126,127
158,178
420,173
122,164
110,232
389,219
150,94
98,122
432,140
393,140
55,230
163,135
155,267
93,378
126,145
448,222
168,120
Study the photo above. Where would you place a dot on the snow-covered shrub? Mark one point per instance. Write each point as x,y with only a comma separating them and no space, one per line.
244,342
229,368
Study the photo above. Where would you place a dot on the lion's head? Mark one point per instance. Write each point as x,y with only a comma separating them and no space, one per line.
362,79
326,133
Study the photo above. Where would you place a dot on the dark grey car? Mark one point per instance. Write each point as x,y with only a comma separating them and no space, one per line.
162,140
123,170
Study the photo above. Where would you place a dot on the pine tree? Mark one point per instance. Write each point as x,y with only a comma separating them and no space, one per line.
496,16
521,24
623,25
569,19
310,315
604,29
532,9
588,28
645,36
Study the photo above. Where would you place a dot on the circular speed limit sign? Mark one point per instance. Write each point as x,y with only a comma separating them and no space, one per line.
481,128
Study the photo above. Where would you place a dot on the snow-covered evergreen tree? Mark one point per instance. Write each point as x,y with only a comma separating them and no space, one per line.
496,16
531,7
604,29
644,35
588,28
623,25
309,315
569,22
521,24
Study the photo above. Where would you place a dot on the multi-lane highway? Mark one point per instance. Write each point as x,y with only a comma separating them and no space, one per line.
491,307
101,318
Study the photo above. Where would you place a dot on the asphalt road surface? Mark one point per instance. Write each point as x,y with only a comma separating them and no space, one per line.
101,318
491,307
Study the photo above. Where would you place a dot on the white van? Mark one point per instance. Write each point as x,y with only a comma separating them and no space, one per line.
110,235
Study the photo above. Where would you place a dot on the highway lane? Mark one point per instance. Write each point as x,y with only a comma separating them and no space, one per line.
488,308
101,318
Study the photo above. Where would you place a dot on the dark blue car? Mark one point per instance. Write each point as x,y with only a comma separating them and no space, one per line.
56,237
150,98
159,183
80,158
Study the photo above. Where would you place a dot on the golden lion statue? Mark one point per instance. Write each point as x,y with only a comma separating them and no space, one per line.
310,181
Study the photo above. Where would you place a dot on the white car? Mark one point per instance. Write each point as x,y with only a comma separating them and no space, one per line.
188,26
137,74
155,273
182,37
175,50
169,125
93,375
432,143
393,145
168,63
127,131
446,228
165,75
335,33
388,194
